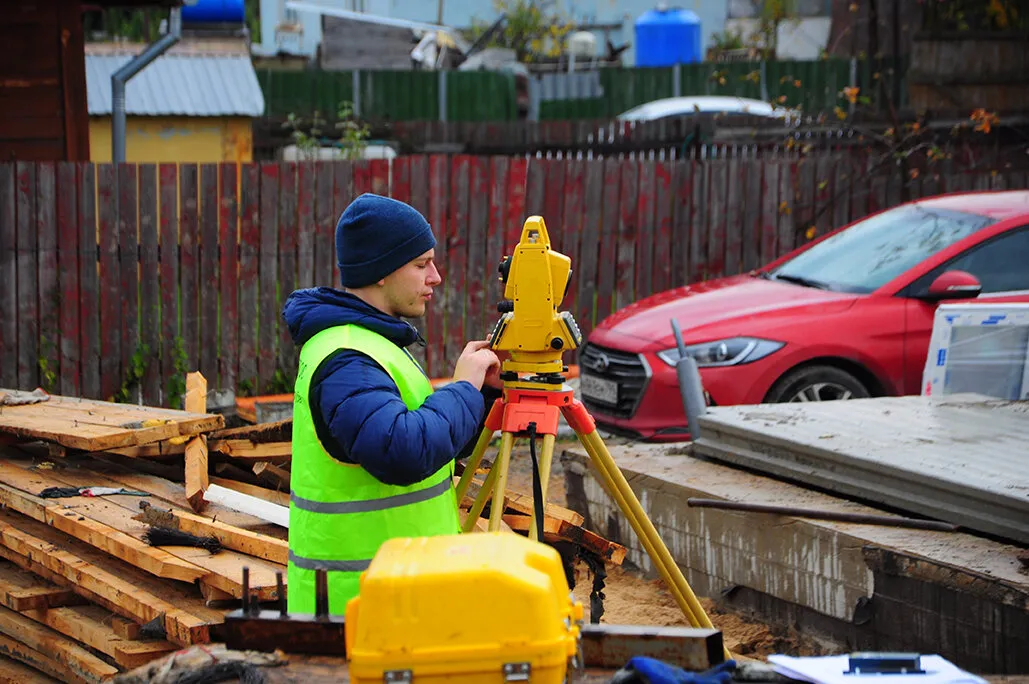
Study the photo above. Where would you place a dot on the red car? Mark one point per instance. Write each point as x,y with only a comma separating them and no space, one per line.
846,316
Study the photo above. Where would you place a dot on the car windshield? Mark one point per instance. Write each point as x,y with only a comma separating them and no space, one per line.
873,252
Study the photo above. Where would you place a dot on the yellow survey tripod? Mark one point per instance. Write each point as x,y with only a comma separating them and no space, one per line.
536,336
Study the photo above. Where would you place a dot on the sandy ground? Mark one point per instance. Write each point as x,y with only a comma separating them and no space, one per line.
633,599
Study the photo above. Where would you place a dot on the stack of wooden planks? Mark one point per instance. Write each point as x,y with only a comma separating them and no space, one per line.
88,589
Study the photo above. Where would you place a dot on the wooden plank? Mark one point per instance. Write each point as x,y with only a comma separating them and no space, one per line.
737,203
92,626
342,195
49,294
21,591
268,313
208,274
478,271
661,243
149,287
750,215
96,426
517,181
555,530
288,226
571,225
89,299
196,448
842,186
189,280
104,580
362,177
228,273
608,257
128,264
249,452
66,211
457,257
768,218
553,203
439,211
825,198
498,173
15,672
378,171
413,175
788,179
325,217
13,648
628,234
249,249
305,224
9,275
535,184
717,221
278,498
272,475
807,203
699,173
236,538
171,344
589,246
28,277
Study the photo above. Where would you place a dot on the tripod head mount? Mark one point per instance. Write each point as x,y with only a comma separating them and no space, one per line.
531,329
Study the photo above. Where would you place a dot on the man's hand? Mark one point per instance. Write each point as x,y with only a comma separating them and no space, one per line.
493,375
475,362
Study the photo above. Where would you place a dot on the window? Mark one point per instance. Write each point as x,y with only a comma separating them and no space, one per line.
1001,265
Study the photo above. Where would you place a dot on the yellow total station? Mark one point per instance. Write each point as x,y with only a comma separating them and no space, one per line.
531,329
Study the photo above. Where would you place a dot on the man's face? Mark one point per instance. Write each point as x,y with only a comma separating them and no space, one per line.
409,288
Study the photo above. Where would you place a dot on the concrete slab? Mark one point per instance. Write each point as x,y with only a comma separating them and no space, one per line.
867,586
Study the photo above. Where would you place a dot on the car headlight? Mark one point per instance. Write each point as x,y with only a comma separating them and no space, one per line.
728,352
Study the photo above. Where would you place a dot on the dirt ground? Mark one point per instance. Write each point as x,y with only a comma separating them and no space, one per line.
635,600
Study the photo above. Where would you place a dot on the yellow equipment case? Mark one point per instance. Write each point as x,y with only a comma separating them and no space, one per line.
480,607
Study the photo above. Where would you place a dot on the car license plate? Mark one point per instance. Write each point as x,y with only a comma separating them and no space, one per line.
599,389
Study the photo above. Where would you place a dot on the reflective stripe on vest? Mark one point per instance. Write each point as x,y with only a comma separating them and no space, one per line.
339,513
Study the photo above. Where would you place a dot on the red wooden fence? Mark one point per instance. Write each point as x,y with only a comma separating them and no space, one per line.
117,280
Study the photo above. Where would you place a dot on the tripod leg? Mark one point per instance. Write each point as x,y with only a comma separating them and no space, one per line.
485,437
545,458
485,493
496,511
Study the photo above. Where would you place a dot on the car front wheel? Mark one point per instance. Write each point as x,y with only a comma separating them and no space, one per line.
816,383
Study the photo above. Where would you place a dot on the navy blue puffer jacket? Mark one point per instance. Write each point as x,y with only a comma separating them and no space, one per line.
357,408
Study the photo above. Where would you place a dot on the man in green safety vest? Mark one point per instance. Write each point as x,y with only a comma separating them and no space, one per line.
373,444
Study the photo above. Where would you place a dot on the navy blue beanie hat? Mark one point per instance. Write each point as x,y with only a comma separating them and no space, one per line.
377,235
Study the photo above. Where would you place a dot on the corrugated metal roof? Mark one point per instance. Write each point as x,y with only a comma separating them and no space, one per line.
178,84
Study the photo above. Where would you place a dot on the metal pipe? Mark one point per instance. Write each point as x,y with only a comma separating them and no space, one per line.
120,77
837,516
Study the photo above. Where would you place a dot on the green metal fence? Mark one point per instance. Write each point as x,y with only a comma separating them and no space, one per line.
814,86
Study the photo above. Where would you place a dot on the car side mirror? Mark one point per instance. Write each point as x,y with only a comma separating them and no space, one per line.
954,285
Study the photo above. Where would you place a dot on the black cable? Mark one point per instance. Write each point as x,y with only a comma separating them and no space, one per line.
537,485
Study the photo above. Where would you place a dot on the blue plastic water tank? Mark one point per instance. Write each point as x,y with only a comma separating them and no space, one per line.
668,36
213,12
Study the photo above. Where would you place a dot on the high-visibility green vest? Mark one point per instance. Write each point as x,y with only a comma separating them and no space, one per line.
339,514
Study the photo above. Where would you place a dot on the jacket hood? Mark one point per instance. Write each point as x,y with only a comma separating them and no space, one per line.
307,312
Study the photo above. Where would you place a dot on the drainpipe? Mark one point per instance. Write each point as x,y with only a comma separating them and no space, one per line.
122,75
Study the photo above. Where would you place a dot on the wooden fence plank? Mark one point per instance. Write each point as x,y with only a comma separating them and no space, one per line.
571,225
110,281
535,188
249,254
49,294
735,200
209,281
362,177
682,223
342,196
808,201
662,246
128,265
495,236
628,234
439,209
189,235
517,179
843,179
268,318
27,279
589,247
553,203
457,256
9,330
768,219
149,293
287,364
305,224
700,211
477,273
608,256
173,370
752,198
228,271
89,282
825,194
325,215
646,257
378,169
788,178
717,220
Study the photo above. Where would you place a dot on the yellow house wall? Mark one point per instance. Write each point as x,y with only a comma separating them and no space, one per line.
182,139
